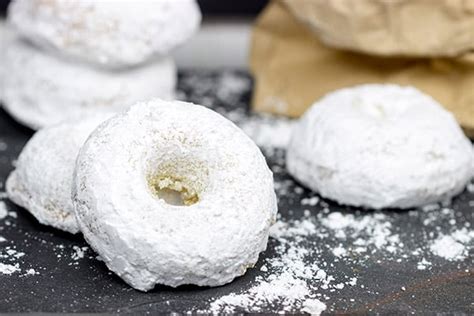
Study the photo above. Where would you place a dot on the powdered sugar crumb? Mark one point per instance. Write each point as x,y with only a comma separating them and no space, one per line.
78,252
452,247
423,264
339,251
9,268
313,307
31,272
312,201
375,228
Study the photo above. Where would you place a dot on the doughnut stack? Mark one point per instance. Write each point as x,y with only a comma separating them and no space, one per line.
166,192
65,60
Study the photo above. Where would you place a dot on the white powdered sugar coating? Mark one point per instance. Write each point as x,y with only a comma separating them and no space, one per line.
108,33
54,90
42,179
380,146
454,246
191,150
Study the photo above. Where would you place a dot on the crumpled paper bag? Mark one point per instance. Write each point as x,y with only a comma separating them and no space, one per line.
391,27
293,69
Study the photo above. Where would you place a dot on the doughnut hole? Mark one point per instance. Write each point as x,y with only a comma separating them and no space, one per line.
180,182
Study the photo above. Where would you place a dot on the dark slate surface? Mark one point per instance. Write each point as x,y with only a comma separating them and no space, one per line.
85,285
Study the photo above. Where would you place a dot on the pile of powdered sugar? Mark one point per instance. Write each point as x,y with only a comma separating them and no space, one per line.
288,280
454,246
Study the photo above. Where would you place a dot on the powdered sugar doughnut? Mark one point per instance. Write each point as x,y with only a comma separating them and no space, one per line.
42,179
173,193
110,33
380,146
42,90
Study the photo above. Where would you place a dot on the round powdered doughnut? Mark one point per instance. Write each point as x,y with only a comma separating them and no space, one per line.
42,179
42,90
109,33
380,146
173,193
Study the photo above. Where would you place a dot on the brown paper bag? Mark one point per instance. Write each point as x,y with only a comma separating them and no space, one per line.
292,69
391,27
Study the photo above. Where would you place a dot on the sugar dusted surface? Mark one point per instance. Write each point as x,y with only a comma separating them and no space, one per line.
353,273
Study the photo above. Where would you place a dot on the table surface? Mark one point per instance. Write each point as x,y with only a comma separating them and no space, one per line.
387,282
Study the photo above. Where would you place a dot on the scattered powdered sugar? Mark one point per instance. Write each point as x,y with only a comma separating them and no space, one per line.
296,229
423,264
302,270
12,253
31,272
339,251
313,307
371,229
312,201
268,131
454,246
293,280
448,248
229,86
78,252
11,257
9,268
296,283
